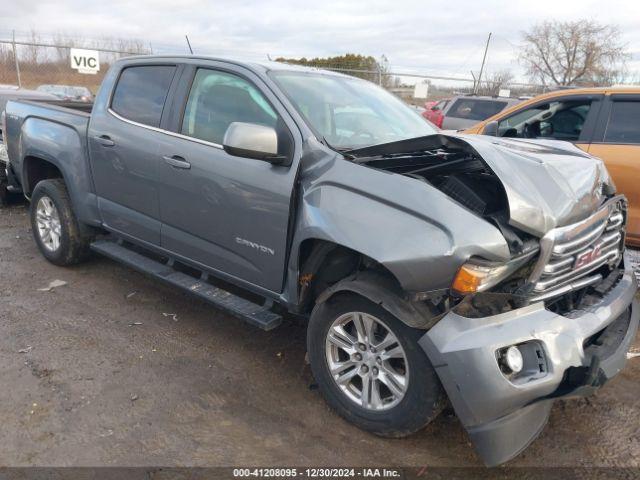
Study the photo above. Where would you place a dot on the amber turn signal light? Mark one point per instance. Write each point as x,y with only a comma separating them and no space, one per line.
467,280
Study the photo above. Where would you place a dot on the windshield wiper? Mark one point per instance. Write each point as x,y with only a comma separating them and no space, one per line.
337,149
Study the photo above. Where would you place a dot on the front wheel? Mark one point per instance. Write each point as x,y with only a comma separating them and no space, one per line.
370,368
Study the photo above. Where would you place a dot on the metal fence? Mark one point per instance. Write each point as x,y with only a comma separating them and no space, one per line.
403,84
32,64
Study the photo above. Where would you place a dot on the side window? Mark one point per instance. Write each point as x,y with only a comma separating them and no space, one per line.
566,123
141,92
623,123
562,120
474,109
218,99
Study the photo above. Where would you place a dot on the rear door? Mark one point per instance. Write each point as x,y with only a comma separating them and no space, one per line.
227,213
124,134
617,142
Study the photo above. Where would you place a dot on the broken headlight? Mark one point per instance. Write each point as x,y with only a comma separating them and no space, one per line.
479,275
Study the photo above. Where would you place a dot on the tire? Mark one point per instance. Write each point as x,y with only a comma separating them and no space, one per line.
72,246
423,397
4,190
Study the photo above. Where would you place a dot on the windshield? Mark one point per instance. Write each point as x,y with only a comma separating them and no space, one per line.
349,112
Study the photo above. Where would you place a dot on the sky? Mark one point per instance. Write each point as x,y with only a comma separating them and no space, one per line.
430,37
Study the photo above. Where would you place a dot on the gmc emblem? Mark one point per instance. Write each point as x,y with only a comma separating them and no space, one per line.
587,257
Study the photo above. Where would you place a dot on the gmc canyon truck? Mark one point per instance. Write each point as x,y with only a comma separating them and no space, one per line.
485,272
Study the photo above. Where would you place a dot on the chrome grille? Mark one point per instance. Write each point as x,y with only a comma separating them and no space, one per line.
569,254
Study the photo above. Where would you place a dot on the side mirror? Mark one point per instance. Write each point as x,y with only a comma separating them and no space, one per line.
491,129
249,140
435,108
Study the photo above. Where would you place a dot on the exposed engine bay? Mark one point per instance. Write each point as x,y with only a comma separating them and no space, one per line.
460,175
450,166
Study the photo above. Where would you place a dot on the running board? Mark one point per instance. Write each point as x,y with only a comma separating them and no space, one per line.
257,315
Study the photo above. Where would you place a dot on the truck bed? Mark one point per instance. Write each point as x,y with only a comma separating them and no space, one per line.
40,113
59,105
53,132
77,106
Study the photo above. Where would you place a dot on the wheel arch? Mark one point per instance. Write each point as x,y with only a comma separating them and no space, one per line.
49,149
328,269
36,169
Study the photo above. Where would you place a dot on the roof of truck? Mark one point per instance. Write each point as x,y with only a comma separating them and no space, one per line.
251,64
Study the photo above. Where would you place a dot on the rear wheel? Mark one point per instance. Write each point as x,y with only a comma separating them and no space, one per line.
370,368
55,226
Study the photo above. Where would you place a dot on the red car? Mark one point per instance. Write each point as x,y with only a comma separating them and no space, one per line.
433,111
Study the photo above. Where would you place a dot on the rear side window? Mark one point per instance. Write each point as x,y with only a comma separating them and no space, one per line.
473,109
141,92
623,123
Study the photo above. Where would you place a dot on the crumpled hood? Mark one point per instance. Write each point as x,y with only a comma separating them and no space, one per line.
548,183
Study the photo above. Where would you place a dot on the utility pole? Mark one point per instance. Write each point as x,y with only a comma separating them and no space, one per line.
484,58
15,59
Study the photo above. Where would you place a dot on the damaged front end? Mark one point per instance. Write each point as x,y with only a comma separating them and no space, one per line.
563,305
563,226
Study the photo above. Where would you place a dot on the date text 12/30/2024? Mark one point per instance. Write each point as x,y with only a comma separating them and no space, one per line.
316,472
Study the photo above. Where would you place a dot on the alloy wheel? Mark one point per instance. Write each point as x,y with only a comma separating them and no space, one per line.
366,361
48,223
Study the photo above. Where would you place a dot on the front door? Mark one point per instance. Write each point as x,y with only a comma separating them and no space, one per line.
227,213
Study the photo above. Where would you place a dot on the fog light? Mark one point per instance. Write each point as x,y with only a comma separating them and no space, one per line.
513,359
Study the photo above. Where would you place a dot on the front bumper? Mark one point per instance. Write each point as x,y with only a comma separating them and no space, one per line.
503,414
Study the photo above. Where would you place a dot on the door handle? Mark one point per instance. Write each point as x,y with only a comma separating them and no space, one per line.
105,140
177,162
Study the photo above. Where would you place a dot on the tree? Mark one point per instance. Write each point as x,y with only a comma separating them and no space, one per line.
361,66
495,81
572,53
31,51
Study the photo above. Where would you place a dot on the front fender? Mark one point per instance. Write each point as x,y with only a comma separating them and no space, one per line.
418,233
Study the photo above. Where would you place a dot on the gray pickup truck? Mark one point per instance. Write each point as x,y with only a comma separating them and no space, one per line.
489,273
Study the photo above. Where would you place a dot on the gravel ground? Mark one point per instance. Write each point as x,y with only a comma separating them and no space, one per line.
101,372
